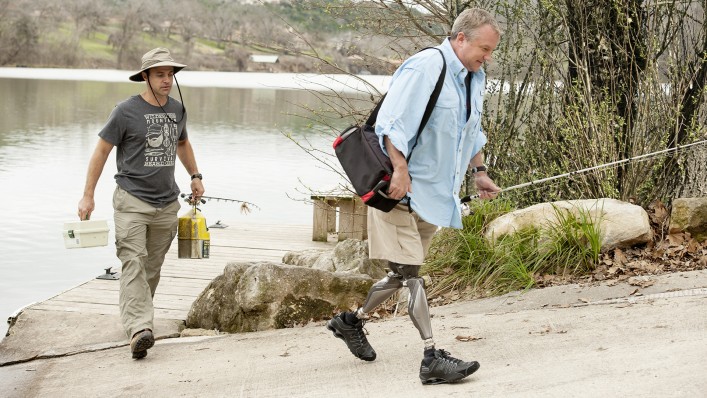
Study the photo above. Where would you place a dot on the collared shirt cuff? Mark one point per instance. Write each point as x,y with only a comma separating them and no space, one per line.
397,142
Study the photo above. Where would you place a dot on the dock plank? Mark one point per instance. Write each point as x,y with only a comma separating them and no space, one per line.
103,309
182,280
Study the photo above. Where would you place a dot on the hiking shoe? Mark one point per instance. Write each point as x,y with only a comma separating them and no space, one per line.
444,368
141,342
353,336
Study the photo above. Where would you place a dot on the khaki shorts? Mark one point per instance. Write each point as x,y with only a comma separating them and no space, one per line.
398,236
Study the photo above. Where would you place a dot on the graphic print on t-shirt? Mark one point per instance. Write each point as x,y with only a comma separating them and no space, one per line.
160,140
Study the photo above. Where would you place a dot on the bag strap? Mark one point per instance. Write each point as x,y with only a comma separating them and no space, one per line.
430,104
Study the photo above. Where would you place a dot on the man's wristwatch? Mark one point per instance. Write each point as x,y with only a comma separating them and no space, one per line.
477,169
197,175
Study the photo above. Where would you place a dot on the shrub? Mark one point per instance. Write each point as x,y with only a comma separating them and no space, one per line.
463,261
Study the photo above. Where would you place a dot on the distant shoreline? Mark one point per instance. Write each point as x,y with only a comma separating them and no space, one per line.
248,80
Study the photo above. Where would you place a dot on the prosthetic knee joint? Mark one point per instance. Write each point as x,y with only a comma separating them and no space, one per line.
380,291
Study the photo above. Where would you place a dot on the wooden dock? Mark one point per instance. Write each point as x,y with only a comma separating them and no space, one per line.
182,280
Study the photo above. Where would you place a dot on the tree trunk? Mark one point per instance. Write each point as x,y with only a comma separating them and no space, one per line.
685,175
694,183
607,59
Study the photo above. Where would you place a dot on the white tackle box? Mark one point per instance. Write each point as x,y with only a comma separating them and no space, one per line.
87,233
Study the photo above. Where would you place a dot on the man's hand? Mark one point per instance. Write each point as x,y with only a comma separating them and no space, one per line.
485,186
86,207
400,184
197,190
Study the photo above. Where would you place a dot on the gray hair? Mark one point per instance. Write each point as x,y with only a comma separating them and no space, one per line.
470,20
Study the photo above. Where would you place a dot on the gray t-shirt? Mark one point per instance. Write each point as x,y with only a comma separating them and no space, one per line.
146,143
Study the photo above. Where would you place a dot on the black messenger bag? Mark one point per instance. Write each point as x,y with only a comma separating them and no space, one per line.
364,162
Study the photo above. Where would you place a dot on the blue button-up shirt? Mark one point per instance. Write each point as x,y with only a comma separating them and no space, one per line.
447,143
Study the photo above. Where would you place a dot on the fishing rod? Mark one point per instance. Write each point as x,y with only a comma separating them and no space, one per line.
193,233
203,199
468,198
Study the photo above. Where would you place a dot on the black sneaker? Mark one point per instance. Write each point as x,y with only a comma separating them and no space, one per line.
141,342
353,336
444,368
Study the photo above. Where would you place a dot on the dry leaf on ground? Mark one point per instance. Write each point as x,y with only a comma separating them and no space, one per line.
468,338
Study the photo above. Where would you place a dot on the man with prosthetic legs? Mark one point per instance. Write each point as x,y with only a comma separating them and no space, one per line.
438,366
429,184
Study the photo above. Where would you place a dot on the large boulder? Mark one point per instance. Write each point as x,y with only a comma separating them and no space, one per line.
689,215
304,258
350,256
621,224
253,296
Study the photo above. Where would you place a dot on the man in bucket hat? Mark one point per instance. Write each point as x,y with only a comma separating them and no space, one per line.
150,132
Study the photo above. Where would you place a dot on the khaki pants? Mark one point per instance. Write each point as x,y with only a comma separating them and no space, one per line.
143,234
398,236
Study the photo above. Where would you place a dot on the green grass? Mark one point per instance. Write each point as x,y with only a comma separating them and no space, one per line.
571,244
208,43
97,46
61,34
464,262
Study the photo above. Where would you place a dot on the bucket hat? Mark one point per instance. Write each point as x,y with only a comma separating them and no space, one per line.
156,57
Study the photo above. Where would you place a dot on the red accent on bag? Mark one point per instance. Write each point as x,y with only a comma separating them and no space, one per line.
337,141
367,196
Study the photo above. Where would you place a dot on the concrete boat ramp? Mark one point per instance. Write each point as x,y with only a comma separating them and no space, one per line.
606,339
86,317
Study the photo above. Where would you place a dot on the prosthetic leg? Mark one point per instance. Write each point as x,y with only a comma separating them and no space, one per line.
402,275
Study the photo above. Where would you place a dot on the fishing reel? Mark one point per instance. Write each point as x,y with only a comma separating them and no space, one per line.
190,199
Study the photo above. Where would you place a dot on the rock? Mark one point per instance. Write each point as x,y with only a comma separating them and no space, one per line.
303,258
264,295
325,262
689,215
350,255
621,224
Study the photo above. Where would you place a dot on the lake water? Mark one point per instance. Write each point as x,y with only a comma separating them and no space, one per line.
49,120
